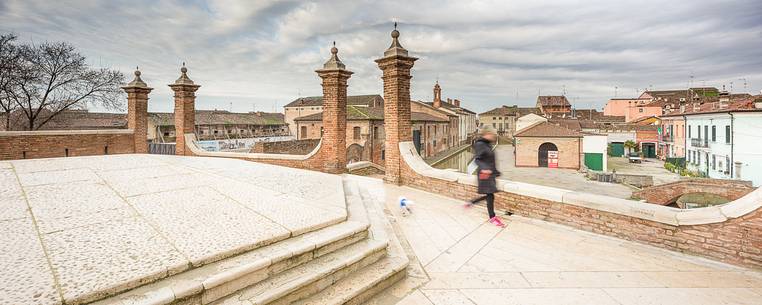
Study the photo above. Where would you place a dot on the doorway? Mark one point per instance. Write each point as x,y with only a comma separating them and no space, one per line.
542,153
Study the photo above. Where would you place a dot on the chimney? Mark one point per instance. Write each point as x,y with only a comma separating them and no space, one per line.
457,103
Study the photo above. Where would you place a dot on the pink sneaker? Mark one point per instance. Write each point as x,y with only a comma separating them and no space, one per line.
496,221
468,205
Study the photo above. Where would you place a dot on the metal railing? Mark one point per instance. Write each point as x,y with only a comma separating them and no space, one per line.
698,142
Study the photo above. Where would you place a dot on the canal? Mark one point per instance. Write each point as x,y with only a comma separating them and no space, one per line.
458,161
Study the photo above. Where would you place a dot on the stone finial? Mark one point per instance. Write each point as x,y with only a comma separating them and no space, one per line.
137,82
396,48
184,80
334,63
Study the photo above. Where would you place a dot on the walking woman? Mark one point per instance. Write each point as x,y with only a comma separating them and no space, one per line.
484,157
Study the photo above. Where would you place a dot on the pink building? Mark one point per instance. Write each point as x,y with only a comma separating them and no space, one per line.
672,137
631,108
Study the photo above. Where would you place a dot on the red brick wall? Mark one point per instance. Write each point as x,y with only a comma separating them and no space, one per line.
31,146
736,241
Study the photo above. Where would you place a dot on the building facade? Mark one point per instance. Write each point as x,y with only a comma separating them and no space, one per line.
467,121
504,119
305,106
433,131
724,144
554,105
219,125
546,144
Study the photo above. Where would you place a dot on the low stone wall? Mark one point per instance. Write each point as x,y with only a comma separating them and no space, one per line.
639,181
315,160
63,143
365,168
292,147
731,233
669,192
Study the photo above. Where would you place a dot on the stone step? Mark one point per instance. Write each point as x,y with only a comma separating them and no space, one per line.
362,284
306,280
208,283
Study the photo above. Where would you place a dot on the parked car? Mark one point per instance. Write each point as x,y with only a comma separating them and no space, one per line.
634,157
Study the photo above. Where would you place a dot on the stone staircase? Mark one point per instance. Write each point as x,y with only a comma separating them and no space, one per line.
346,263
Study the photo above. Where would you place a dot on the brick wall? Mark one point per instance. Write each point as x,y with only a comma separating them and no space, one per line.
736,241
50,144
568,151
668,193
294,147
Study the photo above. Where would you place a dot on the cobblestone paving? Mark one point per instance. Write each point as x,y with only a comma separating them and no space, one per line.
77,228
469,261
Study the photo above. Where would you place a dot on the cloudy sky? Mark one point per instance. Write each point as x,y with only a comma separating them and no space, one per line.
262,54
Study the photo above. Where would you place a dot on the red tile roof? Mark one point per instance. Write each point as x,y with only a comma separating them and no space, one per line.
548,130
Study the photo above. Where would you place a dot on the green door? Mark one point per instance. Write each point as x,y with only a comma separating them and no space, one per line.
617,149
594,161
649,150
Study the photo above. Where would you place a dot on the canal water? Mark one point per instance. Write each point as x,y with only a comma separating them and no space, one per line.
459,161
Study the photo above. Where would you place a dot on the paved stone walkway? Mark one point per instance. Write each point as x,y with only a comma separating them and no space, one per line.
75,228
469,261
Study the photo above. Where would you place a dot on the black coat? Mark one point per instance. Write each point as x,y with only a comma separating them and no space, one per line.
484,157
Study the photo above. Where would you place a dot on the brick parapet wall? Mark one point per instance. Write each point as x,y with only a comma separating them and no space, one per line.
736,240
312,161
51,144
397,112
668,193
292,147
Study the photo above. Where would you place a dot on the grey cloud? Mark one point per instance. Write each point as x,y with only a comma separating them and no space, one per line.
256,54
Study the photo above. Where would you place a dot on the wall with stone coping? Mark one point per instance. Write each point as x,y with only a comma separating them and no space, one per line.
55,143
315,160
669,192
365,168
730,233
292,147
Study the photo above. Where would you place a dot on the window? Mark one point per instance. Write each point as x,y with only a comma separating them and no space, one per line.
303,132
727,134
321,131
375,132
714,133
640,110
706,133
494,125
166,133
699,131
216,131
356,133
689,131
714,162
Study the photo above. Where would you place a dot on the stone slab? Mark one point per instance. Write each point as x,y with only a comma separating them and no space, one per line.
558,296
25,276
105,257
692,296
111,223
205,225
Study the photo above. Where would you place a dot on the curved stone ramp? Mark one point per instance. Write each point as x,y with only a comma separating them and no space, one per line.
349,276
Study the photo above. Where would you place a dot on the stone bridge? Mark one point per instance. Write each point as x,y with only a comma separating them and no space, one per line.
668,193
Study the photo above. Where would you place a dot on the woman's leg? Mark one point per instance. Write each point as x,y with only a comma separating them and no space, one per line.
477,199
490,205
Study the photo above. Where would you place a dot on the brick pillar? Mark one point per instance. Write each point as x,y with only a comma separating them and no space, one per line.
334,147
396,65
185,110
137,112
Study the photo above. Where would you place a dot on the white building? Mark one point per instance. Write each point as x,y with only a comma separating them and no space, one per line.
725,141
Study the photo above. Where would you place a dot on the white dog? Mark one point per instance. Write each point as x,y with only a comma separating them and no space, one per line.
405,206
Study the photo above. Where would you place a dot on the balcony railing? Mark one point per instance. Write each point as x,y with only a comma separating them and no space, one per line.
700,142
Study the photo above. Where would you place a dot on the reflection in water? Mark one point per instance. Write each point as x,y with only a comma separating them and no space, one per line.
457,161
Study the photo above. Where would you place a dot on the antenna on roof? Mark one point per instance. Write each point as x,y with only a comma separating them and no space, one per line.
564,90
744,83
615,90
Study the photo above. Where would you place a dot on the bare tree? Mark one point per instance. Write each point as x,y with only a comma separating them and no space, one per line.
53,77
10,58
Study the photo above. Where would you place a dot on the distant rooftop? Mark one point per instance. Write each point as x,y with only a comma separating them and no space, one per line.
370,100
